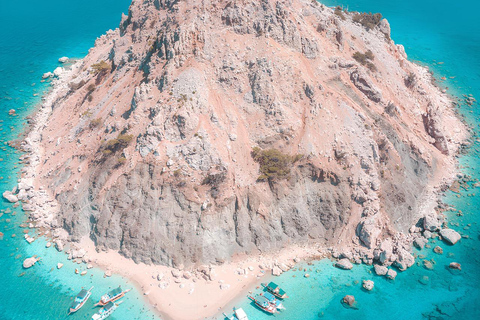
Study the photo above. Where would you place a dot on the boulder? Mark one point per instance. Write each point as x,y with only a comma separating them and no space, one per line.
431,223
368,232
344,264
58,72
404,260
450,235
276,271
348,300
380,270
368,285
391,274
29,262
160,276
176,273
47,75
420,242
107,274
385,252
10,197
59,265
63,59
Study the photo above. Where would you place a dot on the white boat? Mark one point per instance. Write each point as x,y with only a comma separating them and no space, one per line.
239,314
106,311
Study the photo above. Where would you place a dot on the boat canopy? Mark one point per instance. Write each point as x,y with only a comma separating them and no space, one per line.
109,306
115,292
240,314
82,294
262,301
269,296
274,287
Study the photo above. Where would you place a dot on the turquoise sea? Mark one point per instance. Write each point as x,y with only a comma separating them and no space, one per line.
35,34
445,36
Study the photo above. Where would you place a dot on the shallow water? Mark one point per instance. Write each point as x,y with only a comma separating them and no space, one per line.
34,34
445,36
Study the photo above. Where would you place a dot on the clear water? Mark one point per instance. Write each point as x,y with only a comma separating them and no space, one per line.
34,34
432,32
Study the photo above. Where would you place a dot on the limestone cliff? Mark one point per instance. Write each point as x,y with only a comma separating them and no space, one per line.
148,144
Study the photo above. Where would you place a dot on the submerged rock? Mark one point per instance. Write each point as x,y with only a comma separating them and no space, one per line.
455,265
348,300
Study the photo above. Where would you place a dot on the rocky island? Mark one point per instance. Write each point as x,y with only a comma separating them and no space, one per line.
200,135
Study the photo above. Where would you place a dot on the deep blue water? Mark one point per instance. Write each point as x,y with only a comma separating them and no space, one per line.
34,34
445,36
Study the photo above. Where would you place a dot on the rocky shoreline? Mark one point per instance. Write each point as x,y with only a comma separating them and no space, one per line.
368,237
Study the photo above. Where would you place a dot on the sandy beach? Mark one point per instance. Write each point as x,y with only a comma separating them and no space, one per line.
196,297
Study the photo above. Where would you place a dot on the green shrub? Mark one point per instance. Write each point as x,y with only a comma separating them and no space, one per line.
274,164
121,160
339,12
95,123
368,20
101,68
365,59
410,80
119,143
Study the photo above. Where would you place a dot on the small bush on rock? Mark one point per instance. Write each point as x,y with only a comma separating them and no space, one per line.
274,164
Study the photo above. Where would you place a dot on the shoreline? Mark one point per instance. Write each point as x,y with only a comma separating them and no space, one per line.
142,276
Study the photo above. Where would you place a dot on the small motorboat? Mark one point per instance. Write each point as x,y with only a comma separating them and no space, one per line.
264,304
238,314
80,300
106,311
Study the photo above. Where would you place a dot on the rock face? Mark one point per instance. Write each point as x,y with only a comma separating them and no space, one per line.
150,141
450,235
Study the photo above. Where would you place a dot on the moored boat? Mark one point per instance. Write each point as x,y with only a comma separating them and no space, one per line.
80,300
111,296
274,289
106,311
264,304
273,301
238,314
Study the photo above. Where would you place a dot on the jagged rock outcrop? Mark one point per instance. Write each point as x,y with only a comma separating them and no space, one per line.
149,143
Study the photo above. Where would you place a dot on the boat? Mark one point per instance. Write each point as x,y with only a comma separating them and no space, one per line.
80,300
274,289
106,311
264,304
238,314
273,301
111,296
